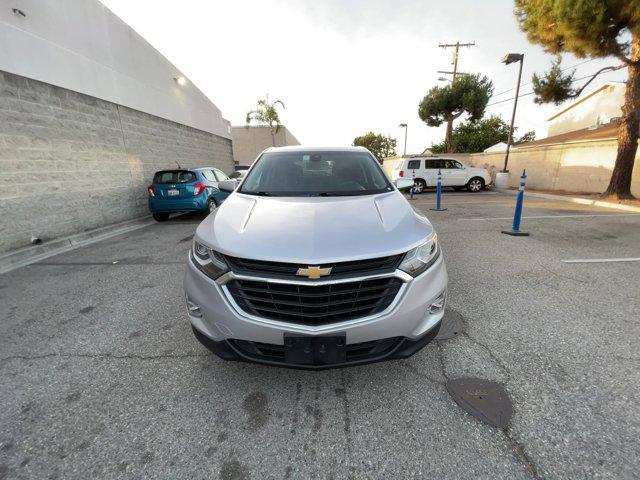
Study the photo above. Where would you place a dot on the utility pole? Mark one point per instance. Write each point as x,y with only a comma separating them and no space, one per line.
456,46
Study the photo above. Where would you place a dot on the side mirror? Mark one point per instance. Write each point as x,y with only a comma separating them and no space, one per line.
404,183
227,185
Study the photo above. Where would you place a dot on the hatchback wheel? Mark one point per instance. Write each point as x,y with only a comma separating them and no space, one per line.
419,185
212,204
160,217
475,184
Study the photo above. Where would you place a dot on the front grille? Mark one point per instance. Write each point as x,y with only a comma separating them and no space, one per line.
356,352
314,304
353,268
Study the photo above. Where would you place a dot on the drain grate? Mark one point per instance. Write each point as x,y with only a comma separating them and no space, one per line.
451,325
487,401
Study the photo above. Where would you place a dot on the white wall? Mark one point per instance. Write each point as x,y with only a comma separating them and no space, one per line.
80,45
598,109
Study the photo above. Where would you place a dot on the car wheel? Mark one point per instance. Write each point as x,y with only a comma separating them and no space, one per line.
475,184
212,205
419,185
160,217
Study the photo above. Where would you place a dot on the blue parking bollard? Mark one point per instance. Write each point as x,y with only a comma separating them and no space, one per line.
439,193
411,193
517,216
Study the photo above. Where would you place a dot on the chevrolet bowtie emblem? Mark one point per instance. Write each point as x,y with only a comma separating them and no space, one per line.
313,272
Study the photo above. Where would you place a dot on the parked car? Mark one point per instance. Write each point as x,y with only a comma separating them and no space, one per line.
316,260
240,168
455,174
185,190
238,174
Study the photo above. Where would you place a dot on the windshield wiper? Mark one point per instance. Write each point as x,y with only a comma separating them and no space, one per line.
260,193
335,194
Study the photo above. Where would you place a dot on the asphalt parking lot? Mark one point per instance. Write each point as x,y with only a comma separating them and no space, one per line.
101,377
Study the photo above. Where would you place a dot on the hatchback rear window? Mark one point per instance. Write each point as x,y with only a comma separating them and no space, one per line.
174,176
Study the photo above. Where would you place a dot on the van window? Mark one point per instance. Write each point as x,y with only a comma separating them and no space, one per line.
434,164
451,164
413,165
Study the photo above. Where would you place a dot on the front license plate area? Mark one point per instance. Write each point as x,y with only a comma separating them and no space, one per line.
312,350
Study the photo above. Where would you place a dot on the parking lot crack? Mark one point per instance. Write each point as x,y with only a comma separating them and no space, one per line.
522,455
421,374
493,356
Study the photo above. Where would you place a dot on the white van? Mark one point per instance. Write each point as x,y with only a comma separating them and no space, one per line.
424,171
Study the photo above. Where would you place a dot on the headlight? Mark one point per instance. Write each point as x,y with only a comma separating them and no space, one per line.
420,258
208,261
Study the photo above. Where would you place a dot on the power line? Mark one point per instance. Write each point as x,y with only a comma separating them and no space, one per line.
531,93
529,83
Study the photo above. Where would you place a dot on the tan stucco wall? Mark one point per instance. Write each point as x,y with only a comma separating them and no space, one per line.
600,108
583,167
249,142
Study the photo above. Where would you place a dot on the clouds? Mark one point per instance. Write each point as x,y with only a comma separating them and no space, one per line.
343,67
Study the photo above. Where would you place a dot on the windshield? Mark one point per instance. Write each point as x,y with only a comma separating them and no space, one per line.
295,174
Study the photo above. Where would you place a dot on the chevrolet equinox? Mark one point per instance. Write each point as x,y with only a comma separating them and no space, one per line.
315,260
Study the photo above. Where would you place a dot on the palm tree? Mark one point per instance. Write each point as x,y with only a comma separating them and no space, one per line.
266,113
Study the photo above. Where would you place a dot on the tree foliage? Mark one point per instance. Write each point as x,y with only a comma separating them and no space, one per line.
472,137
466,94
529,136
267,114
586,28
595,29
553,86
381,146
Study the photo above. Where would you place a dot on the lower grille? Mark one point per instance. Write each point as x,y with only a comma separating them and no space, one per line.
314,304
356,352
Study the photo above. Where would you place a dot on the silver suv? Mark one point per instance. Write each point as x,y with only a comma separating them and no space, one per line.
315,260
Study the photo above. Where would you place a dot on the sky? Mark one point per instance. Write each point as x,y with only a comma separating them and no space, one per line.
346,67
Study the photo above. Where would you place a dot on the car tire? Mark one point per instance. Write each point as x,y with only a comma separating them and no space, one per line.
160,217
212,205
419,185
475,184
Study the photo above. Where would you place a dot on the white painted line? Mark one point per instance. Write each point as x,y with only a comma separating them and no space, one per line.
582,201
602,260
560,216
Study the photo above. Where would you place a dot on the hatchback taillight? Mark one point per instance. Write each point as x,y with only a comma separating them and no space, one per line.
401,173
150,190
198,188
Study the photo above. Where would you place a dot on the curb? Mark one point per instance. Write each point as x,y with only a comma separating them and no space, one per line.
580,200
28,255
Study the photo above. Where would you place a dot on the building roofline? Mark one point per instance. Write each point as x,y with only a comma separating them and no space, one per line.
578,102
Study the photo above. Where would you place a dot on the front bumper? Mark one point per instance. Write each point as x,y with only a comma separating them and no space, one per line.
222,325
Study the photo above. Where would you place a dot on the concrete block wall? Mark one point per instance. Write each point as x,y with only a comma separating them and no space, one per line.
70,162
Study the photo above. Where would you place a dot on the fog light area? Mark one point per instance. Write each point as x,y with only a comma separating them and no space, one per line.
192,309
438,304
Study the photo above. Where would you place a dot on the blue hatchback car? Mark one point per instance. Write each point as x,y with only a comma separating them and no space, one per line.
185,190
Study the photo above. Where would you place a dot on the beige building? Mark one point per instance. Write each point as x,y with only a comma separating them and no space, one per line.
598,108
248,142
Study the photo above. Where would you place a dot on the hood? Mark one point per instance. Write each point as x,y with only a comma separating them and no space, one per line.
314,230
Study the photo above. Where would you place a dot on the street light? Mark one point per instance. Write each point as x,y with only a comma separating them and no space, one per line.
404,125
508,59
